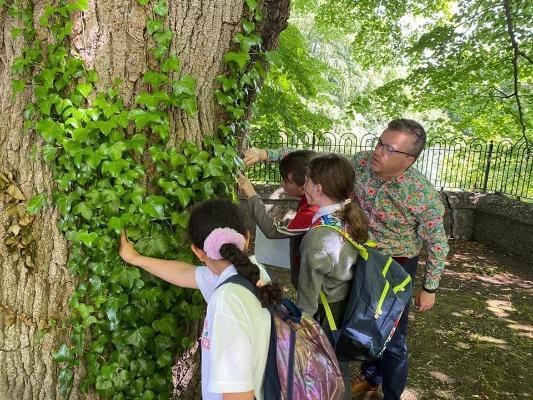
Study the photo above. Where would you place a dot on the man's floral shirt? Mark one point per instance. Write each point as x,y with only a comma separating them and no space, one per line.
403,213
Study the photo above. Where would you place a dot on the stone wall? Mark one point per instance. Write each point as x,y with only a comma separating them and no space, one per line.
495,220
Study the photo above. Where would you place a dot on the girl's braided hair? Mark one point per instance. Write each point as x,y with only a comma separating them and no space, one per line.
219,213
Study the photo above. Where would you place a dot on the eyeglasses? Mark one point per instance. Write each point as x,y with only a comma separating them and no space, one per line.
388,150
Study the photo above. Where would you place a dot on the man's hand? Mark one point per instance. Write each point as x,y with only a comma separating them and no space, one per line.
424,301
127,252
253,155
245,186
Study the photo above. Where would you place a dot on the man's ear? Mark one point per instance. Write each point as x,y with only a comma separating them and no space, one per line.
202,256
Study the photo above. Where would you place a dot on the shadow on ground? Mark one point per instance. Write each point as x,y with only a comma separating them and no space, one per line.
477,342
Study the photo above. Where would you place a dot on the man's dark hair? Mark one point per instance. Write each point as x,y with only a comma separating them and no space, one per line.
294,164
413,128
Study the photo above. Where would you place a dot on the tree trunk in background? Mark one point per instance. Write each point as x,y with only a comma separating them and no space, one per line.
35,284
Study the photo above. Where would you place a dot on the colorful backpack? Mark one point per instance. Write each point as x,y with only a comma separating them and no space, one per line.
301,363
380,291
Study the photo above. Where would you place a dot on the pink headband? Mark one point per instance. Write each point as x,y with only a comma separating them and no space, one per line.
220,236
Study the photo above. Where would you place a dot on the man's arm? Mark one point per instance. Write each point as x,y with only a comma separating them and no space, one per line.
431,230
255,154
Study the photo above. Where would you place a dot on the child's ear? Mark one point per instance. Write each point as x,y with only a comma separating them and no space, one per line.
202,256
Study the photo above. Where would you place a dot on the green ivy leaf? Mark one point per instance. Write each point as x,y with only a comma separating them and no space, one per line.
66,377
239,59
49,130
190,107
228,83
82,5
116,303
248,26
200,158
36,203
137,143
154,246
18,85
206,187
213,168
49,153
181,219
85,89
139,337
163,130
177,159
84,209
186,85
223,99
166,325
63,354
154,79
161,8
252,4
114,168
184,196
154,25
125,276
172,63
152,209
191,172
87,238
165,359
115,151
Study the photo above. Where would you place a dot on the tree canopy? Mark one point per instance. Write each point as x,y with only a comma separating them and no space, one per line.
460,67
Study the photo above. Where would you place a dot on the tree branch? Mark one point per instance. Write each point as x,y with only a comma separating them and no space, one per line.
525,56
516,53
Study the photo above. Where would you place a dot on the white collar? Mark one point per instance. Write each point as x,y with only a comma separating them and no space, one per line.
327,210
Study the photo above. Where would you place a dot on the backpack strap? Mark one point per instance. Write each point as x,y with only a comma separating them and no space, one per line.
363,252
240,280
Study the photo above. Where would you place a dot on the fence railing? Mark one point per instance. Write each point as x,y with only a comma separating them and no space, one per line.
473,165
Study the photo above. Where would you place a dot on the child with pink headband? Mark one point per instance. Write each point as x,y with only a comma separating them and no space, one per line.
236,332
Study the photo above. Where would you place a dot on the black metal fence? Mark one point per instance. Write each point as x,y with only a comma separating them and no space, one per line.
473,165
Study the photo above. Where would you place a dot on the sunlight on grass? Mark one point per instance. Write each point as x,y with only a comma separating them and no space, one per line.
500,343
523,330
462,346
411,393
444,394
500,308
441,377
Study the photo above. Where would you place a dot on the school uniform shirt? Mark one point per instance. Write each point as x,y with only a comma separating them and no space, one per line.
235,336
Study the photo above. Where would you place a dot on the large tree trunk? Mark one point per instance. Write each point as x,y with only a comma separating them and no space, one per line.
110,37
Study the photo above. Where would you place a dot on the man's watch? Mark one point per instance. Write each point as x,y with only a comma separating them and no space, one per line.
425,289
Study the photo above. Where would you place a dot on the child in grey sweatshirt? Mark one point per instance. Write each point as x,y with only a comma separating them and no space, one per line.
327,259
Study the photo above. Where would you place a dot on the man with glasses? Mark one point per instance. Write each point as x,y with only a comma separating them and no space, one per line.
404,211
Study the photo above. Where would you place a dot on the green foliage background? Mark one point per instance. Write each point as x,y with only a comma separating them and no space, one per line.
354,65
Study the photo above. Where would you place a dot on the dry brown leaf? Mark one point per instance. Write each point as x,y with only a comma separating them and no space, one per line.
15,192
14,229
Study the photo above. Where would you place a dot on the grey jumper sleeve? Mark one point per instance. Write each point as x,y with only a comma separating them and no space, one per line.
266,223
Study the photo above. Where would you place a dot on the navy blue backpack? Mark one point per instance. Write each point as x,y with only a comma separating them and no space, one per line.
380,291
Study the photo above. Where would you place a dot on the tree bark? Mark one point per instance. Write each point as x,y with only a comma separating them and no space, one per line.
110,37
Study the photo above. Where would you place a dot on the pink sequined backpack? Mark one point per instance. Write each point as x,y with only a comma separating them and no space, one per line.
301,362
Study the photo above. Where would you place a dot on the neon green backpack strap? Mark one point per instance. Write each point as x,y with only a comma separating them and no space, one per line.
362,250
329,315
